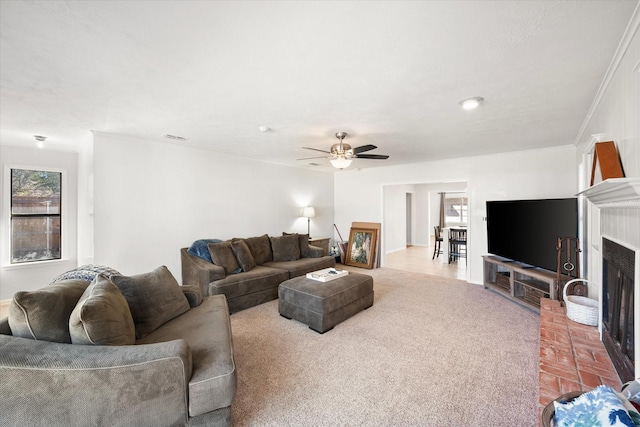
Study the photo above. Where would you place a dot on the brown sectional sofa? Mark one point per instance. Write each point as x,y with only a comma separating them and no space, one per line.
260,264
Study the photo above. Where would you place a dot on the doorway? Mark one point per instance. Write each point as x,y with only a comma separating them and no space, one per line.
410,213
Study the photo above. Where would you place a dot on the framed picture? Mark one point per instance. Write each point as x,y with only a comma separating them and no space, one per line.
362,247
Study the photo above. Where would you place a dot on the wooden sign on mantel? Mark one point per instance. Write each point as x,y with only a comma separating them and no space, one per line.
605,154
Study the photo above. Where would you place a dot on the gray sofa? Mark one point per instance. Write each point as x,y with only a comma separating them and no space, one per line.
146,370
248,271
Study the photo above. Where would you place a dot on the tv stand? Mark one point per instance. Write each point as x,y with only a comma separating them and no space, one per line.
524,285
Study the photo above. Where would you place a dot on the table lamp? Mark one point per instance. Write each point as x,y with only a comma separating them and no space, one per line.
308,213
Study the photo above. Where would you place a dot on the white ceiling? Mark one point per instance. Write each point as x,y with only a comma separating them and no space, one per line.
388,73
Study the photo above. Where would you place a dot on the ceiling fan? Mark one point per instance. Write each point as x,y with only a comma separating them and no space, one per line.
341,154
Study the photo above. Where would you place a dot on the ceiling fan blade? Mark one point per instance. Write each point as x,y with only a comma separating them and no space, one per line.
315,149
372,156
364,148
309,158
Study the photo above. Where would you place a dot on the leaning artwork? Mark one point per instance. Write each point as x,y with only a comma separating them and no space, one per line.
361,249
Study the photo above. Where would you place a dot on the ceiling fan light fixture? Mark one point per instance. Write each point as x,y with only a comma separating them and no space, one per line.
471,103
341,154
40,140
340,162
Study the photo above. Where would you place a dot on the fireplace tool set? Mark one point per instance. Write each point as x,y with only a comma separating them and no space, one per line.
579,308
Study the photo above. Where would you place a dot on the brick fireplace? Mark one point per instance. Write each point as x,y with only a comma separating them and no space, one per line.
573,357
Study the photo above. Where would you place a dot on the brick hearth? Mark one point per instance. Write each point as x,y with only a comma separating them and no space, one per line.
572,357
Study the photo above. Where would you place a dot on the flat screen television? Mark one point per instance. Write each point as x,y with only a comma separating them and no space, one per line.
527,231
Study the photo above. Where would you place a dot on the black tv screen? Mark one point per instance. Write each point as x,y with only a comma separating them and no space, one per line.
527,231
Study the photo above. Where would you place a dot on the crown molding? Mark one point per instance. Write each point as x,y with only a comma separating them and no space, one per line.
627,37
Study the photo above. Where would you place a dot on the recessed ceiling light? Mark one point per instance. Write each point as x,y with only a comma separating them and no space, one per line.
169,136
471,103
263,129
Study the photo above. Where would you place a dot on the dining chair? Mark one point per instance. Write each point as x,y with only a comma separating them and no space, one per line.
457,244
437,244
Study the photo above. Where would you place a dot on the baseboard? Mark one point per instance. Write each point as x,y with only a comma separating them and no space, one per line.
405,248
395,250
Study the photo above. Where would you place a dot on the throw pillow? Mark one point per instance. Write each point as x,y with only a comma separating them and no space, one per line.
243,254
260,248
102,316
86,272
303,242
193,294
222,255
200,248
154,298
285,248
599,407
44,314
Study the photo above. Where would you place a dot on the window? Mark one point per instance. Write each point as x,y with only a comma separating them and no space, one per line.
35,215
456,210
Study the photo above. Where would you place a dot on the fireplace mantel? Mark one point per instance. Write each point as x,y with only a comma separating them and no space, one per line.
614,193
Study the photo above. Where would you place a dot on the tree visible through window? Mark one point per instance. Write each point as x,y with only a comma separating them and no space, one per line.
35,215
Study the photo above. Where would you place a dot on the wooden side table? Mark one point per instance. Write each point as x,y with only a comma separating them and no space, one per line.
321,243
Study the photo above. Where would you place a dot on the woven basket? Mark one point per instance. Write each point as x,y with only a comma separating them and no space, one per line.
502,281
580,309
533,296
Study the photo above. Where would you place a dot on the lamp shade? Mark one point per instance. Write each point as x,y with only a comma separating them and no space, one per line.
308,212
340,162
471,103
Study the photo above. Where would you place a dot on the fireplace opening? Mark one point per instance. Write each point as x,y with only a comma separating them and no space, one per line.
618,269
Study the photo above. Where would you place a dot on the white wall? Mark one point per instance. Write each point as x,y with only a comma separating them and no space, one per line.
85,202
151,199
395,218
544,173
34,275
421,221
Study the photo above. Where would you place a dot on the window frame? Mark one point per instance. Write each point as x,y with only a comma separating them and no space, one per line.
7,235
464,209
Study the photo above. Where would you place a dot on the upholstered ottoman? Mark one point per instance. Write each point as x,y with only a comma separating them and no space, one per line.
322,305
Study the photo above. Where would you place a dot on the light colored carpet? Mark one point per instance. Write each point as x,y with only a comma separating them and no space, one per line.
430,352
